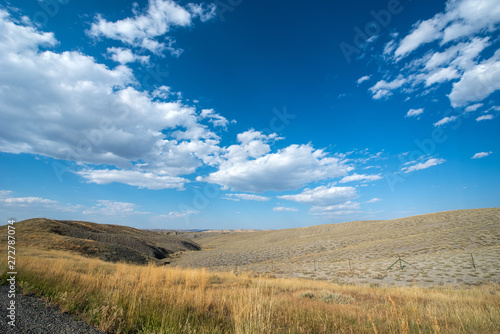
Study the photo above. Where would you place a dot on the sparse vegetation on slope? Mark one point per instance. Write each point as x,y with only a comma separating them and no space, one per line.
439,245
127,298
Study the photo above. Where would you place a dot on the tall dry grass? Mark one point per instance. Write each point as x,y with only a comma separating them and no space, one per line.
123,298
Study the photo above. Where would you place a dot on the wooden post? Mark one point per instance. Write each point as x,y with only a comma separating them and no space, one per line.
473,264
350,268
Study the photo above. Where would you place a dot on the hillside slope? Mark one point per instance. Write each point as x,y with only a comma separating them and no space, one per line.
107,242
438,245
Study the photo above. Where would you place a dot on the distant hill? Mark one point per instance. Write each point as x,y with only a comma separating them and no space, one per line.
194,234
439,245
107,242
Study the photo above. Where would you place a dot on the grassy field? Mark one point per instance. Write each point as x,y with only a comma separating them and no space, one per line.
127,298
438,245
319,279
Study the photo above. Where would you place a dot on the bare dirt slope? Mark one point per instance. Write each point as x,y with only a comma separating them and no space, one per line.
107,242
438,245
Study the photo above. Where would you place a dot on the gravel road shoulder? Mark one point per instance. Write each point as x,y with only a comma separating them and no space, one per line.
34,315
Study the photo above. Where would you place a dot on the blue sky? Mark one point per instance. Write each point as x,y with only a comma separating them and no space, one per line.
247,114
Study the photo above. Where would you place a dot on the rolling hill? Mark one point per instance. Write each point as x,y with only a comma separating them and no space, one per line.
438,248
106,242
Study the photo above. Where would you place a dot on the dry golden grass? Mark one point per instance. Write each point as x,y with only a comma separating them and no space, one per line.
126,298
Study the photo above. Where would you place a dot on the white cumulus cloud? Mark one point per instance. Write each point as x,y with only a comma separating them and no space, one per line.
323,195
85,112
148,29
251,167
478,82
125,56
452,47
461,18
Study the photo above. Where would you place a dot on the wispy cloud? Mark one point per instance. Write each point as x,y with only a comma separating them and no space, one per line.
481,155
415,112
175,215
473,107
7,200
248,197
445,120
374,200
414,165
485,118
363,79
338,207
133,178
282,208
24,201
214,118
384,88
112,208
360,177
